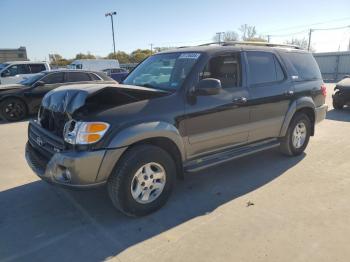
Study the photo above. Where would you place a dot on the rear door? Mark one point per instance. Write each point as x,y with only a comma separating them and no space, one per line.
218,121
271,93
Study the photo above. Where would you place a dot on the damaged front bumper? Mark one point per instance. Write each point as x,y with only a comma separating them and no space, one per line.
75,169
78,170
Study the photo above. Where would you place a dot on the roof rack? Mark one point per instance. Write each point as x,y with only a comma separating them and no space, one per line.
252,43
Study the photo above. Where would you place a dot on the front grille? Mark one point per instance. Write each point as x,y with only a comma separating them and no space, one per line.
44,141
53,121
36,161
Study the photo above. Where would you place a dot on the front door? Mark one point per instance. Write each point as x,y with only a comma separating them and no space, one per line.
50,81
218,121
15,74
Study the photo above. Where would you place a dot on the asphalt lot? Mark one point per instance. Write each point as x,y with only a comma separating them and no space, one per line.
298,209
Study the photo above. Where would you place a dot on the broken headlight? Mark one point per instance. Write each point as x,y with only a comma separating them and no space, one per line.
83,133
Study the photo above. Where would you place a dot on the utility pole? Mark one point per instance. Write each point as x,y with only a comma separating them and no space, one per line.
219,36
268,38
111,14
309,43
151,48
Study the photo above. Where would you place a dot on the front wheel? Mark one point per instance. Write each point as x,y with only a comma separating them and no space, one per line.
338,102
142,180
13,109
297,137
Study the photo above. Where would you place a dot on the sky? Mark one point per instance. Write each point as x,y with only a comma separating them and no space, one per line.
68,27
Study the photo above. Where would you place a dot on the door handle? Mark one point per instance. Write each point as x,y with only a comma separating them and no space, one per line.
239,100
289,93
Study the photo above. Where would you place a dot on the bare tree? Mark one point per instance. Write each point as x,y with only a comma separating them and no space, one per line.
301,42
247,32
226,36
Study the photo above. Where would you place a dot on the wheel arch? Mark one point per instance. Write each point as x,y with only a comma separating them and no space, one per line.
302,105
161,134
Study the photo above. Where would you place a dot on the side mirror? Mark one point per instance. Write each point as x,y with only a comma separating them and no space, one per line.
6,73
208,87
39,83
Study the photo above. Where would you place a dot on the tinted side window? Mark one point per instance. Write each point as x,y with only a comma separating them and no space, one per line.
226,68
36,68
53,78
19,70
78,76
94,77
264,68
305,65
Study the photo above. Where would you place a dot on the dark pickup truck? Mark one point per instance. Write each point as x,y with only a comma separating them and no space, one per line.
179,111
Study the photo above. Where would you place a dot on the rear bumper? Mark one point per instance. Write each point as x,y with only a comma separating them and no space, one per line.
320,113
73,169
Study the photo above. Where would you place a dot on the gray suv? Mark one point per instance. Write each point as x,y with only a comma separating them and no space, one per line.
178,112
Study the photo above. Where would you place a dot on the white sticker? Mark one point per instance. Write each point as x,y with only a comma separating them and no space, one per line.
189,56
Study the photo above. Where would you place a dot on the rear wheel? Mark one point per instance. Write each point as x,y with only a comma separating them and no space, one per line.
297,137
142,180
13,109
338,102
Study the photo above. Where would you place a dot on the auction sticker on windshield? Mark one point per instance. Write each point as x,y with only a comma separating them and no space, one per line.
189,56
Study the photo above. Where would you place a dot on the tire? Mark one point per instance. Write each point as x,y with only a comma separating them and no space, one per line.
13,109
288,146
121,183
338,102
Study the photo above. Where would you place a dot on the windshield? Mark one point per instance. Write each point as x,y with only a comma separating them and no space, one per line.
3,66
31,80
163,71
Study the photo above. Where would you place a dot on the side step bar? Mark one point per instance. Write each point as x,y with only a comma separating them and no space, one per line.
228,155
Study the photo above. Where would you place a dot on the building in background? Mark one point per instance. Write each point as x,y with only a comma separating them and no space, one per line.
333,65
16,54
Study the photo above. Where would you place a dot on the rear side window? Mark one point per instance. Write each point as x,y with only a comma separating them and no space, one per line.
37,68
78,77
94,77
53,78
264,68
305,65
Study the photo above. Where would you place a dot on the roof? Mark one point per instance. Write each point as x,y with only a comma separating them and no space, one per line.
70,70
25,62
212,48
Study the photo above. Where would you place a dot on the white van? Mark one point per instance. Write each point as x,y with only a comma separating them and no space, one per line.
94,64
16,71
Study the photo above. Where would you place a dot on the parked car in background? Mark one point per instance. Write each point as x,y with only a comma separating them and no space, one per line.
118,74
14,72
200,107
94,64
19,100
341,96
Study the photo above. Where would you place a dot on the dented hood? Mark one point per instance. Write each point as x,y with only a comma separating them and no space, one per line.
68,99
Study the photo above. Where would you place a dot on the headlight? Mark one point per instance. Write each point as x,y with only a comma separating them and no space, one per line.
83,133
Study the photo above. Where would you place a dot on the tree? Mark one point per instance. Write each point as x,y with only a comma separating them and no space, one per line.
248,32
257,39
85,56
140,54
226,36
161,49
121,56
302,42
57,60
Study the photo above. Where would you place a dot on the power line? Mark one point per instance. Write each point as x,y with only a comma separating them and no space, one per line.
308,25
